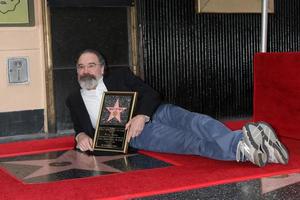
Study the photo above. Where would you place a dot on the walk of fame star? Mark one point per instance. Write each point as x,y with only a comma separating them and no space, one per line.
70,160
270,184
115,112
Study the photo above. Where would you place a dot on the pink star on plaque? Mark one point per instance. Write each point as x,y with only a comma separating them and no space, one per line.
115,112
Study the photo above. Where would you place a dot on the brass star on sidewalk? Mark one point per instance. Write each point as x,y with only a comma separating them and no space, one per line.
270,184
115,112
70,160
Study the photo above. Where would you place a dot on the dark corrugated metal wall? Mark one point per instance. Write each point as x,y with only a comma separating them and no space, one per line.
284,26
203,62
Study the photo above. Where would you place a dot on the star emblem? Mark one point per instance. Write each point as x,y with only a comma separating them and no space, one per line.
115,112
70,160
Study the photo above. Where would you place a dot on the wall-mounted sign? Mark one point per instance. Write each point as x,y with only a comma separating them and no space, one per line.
16,13
232,6
18,72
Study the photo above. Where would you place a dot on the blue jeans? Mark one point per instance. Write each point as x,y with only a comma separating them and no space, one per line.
176,130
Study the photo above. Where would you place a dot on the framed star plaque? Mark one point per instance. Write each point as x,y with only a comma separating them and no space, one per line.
115,111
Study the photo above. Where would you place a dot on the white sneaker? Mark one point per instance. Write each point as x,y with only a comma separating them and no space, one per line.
252,147
276,150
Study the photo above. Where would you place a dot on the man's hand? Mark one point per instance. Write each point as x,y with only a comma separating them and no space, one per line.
84,142
135,126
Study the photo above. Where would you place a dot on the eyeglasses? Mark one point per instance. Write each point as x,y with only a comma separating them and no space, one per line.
89,66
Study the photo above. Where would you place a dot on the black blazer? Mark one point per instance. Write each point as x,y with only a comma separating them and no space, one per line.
118,79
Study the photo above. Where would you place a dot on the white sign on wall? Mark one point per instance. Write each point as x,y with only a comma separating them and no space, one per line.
18,72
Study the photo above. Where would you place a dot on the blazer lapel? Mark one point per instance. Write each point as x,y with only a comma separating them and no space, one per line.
109,84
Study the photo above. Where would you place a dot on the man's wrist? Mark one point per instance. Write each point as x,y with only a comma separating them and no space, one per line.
78,135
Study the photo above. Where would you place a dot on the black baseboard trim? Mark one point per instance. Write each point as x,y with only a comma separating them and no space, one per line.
21,122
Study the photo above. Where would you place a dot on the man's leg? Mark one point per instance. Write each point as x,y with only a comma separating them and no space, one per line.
176,130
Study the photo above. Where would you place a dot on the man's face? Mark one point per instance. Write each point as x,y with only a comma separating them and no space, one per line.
89,71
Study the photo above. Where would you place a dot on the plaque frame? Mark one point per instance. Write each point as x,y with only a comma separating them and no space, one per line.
116,109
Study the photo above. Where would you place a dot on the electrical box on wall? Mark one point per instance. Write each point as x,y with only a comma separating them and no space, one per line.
18,70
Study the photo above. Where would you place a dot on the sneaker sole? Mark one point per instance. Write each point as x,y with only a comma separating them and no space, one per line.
281,152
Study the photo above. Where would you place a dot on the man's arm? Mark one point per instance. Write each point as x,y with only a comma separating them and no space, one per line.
83,140
148,99
147,102
74,116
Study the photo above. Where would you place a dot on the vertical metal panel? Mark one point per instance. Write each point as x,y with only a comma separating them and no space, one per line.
203,62
284,26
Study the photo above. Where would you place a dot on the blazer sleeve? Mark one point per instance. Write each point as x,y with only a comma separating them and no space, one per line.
148,99
80,119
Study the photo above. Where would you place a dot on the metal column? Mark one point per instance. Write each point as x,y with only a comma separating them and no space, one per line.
264,25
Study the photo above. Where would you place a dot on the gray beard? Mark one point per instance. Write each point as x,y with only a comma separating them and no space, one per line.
88,82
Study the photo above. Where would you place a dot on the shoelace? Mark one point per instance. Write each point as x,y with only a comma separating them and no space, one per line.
240,151
244,150
259,132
